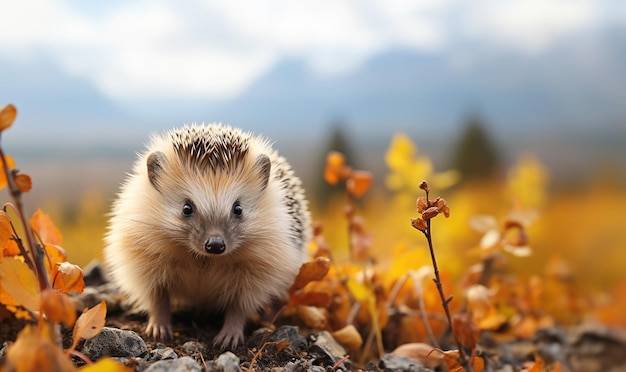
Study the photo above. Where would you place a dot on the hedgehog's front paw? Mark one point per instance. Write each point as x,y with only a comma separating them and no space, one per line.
228,338
160,330
232,330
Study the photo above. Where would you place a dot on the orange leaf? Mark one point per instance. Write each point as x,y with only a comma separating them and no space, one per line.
105,364
335,167
318,299
452,360
424,353
310,271
10,164
12,249
465,330
313,317
7,116
359,182
36,349
54,256
45,228
68,278
89,323
349,337
58,307
19,282
23,182
5,230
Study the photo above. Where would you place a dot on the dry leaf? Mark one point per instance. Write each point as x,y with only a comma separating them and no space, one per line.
335,167
419,223
424,353
313,317
19,282
89,323
359,182
68,278
12,249
7,116
54,256
349,337
10,164
318,299
106,364
5,230
36,349
465,330
452,360
58,307
310,271
23,182
45,228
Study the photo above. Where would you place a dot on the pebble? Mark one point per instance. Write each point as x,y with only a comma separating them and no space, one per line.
184,364
397,363
164,353
115,343
327,351
193,347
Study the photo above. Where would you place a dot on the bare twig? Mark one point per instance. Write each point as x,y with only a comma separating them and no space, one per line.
37,251
463,360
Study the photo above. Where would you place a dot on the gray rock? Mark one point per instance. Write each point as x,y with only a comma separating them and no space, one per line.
162,354
303,365
327,351
227,362
115,343
397,363
184,364
193,347
291,334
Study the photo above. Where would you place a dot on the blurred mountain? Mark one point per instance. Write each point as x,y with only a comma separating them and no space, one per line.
558,98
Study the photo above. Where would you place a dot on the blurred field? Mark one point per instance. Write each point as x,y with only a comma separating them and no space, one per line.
578,239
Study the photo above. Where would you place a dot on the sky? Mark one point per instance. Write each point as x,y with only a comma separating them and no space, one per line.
156,49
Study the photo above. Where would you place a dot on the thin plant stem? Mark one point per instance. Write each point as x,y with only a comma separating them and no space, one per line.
36,249
463,360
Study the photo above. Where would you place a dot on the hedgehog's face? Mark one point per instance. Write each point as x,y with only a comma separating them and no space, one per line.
213,213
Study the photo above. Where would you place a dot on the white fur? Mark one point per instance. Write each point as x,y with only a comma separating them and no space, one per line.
148,249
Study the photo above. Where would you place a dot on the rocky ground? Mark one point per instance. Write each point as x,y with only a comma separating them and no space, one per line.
290,348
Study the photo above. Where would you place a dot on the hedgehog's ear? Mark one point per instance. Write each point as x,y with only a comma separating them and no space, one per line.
155,163
263,165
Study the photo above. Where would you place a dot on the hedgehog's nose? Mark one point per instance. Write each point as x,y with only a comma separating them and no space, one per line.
215,245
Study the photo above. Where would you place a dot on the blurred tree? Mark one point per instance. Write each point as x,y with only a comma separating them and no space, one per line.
338,140
475,154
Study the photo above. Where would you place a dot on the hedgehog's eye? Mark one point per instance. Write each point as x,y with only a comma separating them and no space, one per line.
188,209
237,209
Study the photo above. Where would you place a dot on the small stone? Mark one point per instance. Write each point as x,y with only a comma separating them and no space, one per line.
302,365
164,353
227,362
397,363
115,343
327,351
193,347
184,364
289,334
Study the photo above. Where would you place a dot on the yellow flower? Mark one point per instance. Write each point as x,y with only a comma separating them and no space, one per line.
408,169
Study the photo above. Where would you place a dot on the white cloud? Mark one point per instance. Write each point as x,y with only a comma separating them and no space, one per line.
215,49
530,25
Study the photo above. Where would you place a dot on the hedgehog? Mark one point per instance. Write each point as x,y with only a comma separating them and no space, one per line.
211,218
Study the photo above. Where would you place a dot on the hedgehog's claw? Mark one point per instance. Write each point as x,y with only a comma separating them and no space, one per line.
231,334
159,330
